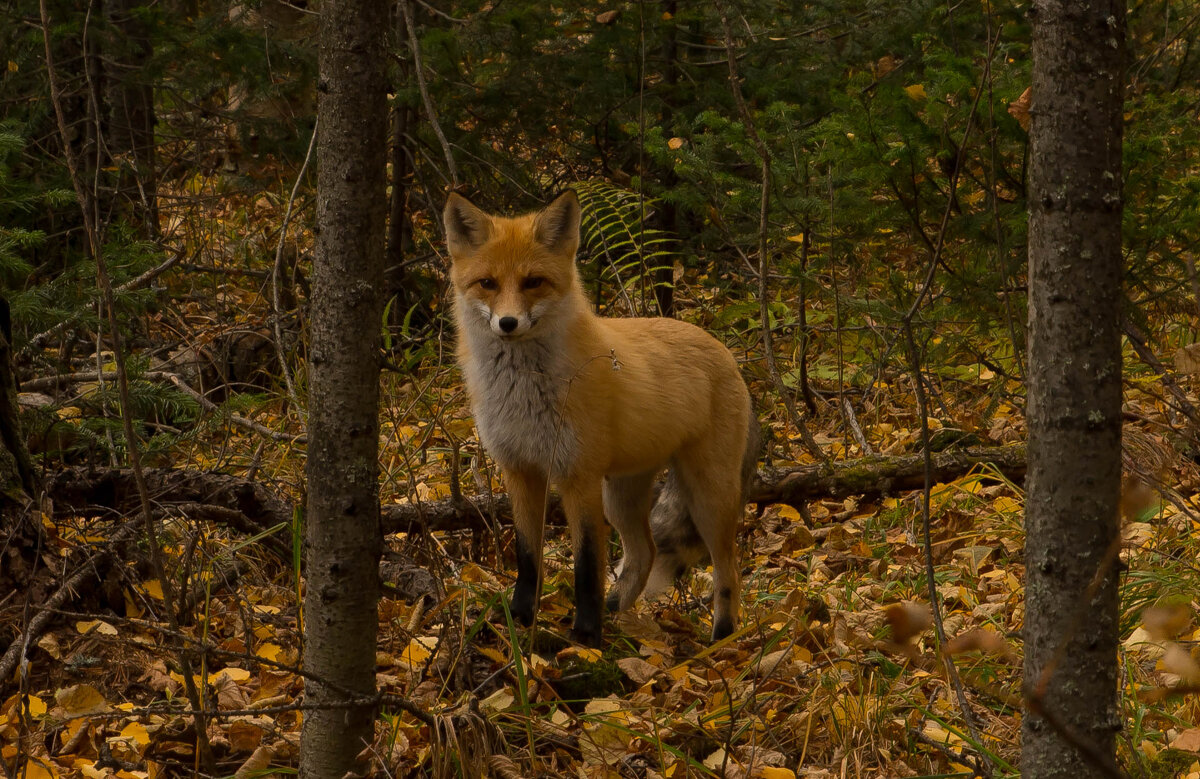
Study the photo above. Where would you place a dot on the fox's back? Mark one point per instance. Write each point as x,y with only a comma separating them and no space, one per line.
647,387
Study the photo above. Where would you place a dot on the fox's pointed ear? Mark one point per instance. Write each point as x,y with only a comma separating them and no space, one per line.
558,223
467,227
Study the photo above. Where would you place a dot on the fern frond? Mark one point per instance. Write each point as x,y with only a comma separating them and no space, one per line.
626,251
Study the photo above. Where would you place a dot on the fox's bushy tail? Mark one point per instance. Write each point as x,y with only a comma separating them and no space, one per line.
677,542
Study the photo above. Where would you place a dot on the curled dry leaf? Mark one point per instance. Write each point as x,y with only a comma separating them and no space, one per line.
607,17
256,764
1019,108
907,620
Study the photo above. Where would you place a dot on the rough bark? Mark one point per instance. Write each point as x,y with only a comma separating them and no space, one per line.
1074,408
343,540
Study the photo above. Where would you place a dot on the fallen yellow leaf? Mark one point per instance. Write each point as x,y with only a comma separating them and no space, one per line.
135,731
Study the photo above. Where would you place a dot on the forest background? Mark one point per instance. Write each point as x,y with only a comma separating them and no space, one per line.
847,212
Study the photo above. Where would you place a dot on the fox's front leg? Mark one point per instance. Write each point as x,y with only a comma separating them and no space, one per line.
527,490
583,502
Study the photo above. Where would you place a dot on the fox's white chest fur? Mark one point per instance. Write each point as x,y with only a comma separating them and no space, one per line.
517,391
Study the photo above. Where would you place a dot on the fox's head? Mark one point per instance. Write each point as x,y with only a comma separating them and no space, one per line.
510,273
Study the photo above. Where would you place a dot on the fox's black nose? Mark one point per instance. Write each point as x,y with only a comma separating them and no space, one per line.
508,323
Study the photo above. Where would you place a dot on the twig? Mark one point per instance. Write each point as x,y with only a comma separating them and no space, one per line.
914,357
276,272
430,111
958,756
1137,339
87,204
52,382
136,283
47,610
852,421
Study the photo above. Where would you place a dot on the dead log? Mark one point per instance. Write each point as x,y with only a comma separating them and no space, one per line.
85,490
873,477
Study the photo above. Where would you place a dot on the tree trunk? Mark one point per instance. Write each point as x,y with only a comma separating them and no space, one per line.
664,276
343,540
18,481
1074,408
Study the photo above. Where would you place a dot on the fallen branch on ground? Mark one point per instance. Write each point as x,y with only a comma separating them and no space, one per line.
87,490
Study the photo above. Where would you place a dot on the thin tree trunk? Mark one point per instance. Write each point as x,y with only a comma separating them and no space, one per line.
1074,411
664,277
343,539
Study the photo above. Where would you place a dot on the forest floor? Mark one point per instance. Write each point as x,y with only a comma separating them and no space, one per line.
837,669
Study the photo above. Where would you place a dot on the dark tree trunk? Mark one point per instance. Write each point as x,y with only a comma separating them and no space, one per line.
1074,409
18,481
664,276
343,540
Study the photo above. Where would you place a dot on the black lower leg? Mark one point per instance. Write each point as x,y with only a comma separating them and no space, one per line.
589,592
525,593
722,608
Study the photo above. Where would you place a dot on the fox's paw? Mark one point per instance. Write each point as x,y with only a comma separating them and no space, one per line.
722,628
522,605
613,601
586,636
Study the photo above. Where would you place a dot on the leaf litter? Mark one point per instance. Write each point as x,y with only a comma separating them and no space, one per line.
835,670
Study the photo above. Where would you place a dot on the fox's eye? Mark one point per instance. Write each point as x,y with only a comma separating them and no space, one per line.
533,282
487,283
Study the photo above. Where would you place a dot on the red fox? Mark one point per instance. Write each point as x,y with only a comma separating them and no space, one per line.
597,407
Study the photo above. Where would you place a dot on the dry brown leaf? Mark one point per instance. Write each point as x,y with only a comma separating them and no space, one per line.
245,735
607,17
157,678
80,699
1019,108
49,644
1188,740
638,669
256,764
229,694
1187,360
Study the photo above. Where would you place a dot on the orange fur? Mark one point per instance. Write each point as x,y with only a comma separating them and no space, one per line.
596,406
